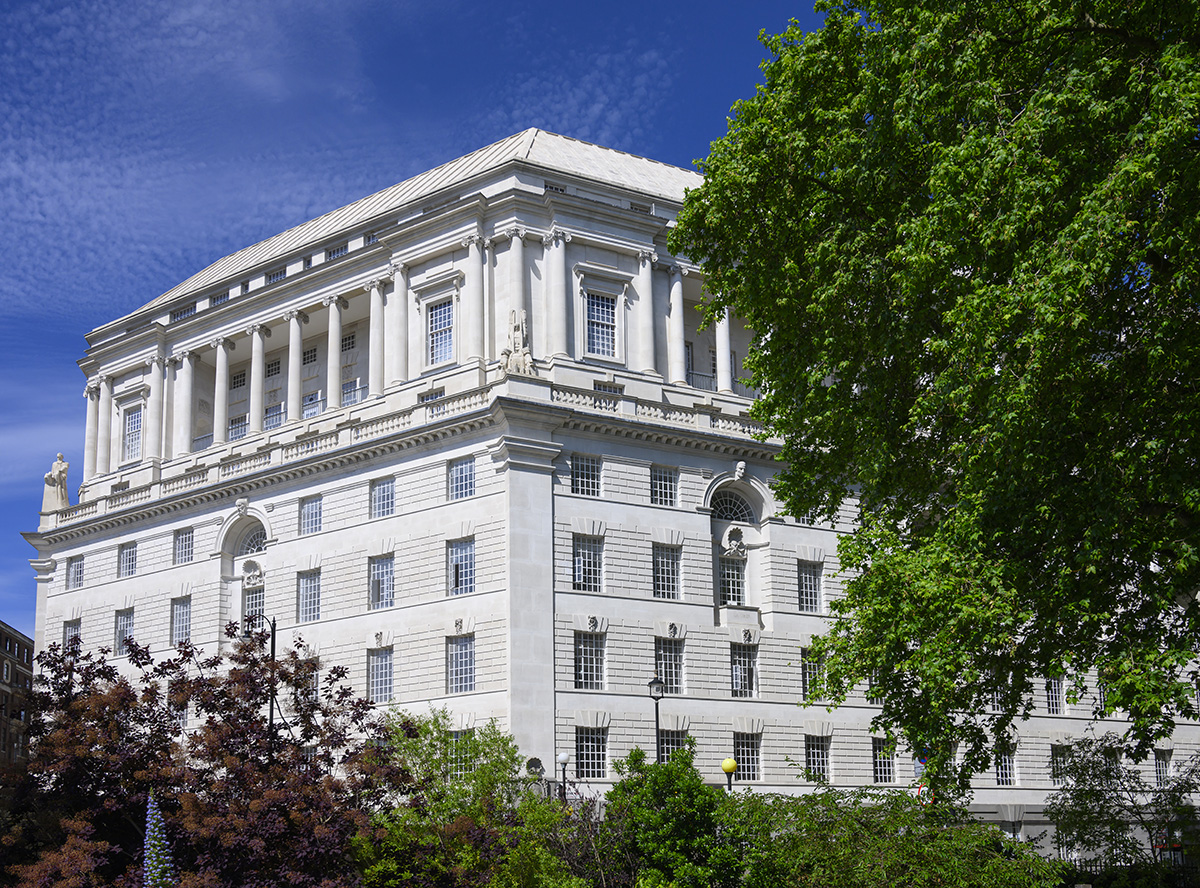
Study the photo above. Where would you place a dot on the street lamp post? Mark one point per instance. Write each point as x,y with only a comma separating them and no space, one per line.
729,766
563,758
656,686
270,711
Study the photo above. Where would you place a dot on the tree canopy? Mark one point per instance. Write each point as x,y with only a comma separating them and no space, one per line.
967,236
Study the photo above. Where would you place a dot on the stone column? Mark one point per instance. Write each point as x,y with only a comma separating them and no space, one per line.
641,356
92,394
559,292
295,356
518,300
258,333
396,350
724,368
676,348
104,427
153,433
472,315
333,358
221,391
183,403
377,350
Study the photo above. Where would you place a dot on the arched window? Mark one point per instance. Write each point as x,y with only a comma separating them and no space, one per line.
255,540
730,506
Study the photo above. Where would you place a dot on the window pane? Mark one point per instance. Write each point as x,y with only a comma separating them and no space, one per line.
588,555
816,758
460,481
460,558
666,571
589,661
743,669
441,332
585,475
379,675
309,597
591,753
668,661
882,761
383,497
310,515
181,620
127,560
380,577
601,325
809,581
133,433
663,485
123,630
460,664
746,752
184,545
732,581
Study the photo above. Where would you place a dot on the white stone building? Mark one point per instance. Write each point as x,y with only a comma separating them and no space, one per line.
466,438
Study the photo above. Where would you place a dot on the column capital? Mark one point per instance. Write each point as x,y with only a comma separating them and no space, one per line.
516,232
296,314
92,389
259,328
154,360
472,239
677,270
487,243
556,234
376,284
340,301
182,355
222,342
398,267
647,256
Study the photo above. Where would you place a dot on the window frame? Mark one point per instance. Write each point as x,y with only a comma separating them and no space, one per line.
310,515
460,478
460,663
123,626
308,596
747,752
381,675
183,546
666,563
127,560
670,665
883,761
664,486
381,569
382,498
587,563
131,433
744,656
460,566
591,753
587,475
181,620
817,759
590,655
809,586
440,339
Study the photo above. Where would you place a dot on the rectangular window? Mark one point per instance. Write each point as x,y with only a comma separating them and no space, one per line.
273,416
460,664
809,581
275,275
349,340
585,475
460,759
336,252
747,752
1162,767
238,427
237,380
381,573
810,674
664,486
245,287
254,602
311,405
182,312
132,444
669,742
123,630
601,325
127,560
75,572
1054,696
1006,772
441,332
71,629
435,409
588,563
308,596
309,356
181,620
460,478
379,675
383,497
883,761
732,581
591,753
310,515
666,571
273,368
816,758
219,299
370,238
460,566
668,663
589,661
1059,755
184,547
743,669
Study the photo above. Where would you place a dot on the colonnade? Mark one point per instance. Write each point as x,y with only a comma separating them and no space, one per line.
169,391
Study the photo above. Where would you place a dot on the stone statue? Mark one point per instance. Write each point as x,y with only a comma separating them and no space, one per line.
55,496
516,357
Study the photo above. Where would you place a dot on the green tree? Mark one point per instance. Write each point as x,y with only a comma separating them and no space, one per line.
968,235
1106,808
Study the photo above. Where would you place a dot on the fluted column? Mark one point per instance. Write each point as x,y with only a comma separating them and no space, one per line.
183,403
377,353
152,434
558,292
92,394
221,391
396,350
641,356
724,367
472,315
258,333
333,357
676,348
104,427
295,356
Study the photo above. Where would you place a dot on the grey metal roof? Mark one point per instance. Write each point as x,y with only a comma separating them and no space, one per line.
544,149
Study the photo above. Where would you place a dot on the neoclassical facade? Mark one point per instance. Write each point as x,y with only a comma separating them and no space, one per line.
467,437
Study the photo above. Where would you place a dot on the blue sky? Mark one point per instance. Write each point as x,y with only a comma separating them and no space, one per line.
141,140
